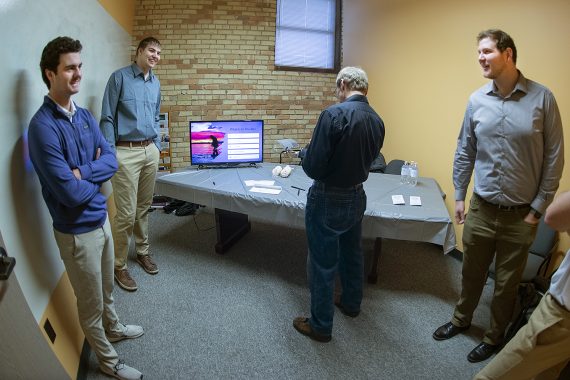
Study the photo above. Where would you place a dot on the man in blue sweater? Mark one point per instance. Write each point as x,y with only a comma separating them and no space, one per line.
73,160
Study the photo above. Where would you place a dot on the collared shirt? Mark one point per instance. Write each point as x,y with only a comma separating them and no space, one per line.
57,146
560,283
346,140
131,107
67,113
513,144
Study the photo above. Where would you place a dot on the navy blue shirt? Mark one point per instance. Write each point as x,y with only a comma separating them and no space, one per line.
346,140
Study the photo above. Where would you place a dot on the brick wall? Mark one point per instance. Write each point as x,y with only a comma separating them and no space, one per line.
218,63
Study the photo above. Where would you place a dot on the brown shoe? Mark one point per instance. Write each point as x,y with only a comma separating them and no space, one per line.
124,279
302,325
147,263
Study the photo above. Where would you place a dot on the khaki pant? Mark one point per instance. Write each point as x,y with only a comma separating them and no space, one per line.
88,260
490,232
133,189
540,349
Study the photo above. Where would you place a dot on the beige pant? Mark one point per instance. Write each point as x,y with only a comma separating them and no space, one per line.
133,188
88,260
540,350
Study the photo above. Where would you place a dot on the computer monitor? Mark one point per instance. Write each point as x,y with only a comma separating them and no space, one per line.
226,142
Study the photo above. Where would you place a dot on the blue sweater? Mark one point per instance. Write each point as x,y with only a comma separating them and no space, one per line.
58,146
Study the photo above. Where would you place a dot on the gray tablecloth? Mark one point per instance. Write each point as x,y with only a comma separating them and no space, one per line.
225,188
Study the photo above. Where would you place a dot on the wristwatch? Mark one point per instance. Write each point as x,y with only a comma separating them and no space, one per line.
536,214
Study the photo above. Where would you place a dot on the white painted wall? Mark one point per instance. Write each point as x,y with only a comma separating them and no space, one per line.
26,26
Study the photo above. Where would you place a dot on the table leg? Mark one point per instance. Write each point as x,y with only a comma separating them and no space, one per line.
230,227
373,275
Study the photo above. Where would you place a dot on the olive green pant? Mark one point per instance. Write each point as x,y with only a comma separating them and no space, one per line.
491,232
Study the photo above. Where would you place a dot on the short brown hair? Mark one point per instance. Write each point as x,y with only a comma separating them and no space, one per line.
147,41
53,50
502,39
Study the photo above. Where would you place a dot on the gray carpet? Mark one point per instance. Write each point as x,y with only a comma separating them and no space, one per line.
210,316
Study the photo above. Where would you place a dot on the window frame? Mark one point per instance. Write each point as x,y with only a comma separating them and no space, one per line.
337,46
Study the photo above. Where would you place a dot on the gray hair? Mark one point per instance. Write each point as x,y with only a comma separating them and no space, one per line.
354,77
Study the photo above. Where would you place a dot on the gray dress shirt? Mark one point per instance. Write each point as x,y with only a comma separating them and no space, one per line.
131,107
513,144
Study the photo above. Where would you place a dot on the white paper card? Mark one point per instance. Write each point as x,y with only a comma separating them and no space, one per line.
251,182
398,199
266,190
415,200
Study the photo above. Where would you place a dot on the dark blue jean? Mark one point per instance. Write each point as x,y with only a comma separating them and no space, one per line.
333,221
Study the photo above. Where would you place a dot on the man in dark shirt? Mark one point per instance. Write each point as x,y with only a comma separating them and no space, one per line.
347,138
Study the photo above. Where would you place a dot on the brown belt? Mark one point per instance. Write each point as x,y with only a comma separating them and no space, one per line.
132,144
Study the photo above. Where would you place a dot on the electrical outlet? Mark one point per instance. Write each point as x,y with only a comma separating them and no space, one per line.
49,330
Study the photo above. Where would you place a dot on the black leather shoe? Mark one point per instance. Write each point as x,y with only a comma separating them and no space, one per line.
449,330
483,351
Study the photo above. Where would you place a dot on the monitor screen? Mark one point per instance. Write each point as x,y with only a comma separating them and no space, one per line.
226,142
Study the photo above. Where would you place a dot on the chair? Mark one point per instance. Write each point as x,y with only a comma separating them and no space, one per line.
394,167
535,279
540,252
379,164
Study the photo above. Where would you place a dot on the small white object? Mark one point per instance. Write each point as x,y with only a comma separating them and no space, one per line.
286,171
277,170
415,200
266,189
398,199
262,182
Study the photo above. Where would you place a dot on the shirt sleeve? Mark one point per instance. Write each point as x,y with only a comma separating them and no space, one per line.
109,109
320,149
103,168
46,153
553,161
157,120
464,156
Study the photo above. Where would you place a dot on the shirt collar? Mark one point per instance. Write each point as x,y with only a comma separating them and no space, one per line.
66,113
521,85
357,98
137,71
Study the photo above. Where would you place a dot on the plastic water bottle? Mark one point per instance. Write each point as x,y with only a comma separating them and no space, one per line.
413,173
405,173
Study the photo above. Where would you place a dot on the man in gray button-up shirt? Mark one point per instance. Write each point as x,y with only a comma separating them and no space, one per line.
511,138
129,122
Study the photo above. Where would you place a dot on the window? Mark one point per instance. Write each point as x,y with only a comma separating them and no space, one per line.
307,35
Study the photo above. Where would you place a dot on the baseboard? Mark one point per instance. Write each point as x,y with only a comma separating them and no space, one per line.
83,369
